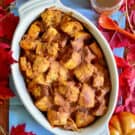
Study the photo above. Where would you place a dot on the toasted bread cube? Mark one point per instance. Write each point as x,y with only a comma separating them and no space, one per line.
65,107
69,90
62,89
81,35
87,97
52,74
40,49
57,118
31,85
63,74
71,125
84,71
46,90
44,103
104,72
88,56
30,55
36,92
29,72
100,108
53,49
40,24
100,111
51,17
71,27
98,80
102,92
72,92
50,35
23,63
35,89
27,44
26,67
58,99
73,61
66,18
40,65
40,79
63,41
83,119
79,39
96,50
77,45
34,31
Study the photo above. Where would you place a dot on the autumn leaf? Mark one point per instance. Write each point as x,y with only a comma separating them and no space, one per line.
2,12
114,38
20,130
132,17
8,23
121,63
5,61
126,91
131,54
8,2
130,4
126,101
5,91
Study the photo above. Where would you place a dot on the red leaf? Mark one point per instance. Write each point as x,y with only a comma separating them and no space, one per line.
114,38
119,109
126,101
131,55
127,90
4,46
130,4
8,23
2,14
2,11
132,18
20,130
5,61
8,2
121,63
5,92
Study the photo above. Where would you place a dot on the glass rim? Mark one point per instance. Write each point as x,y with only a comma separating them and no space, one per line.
105,8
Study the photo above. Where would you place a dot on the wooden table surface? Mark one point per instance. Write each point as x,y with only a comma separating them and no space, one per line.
4,115
4,107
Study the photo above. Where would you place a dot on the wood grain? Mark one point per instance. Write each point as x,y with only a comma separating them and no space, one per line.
4,115
4,107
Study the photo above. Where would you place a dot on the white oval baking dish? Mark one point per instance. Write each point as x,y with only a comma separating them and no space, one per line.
28,13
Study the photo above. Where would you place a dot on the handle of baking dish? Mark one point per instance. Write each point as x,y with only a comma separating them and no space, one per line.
32,4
